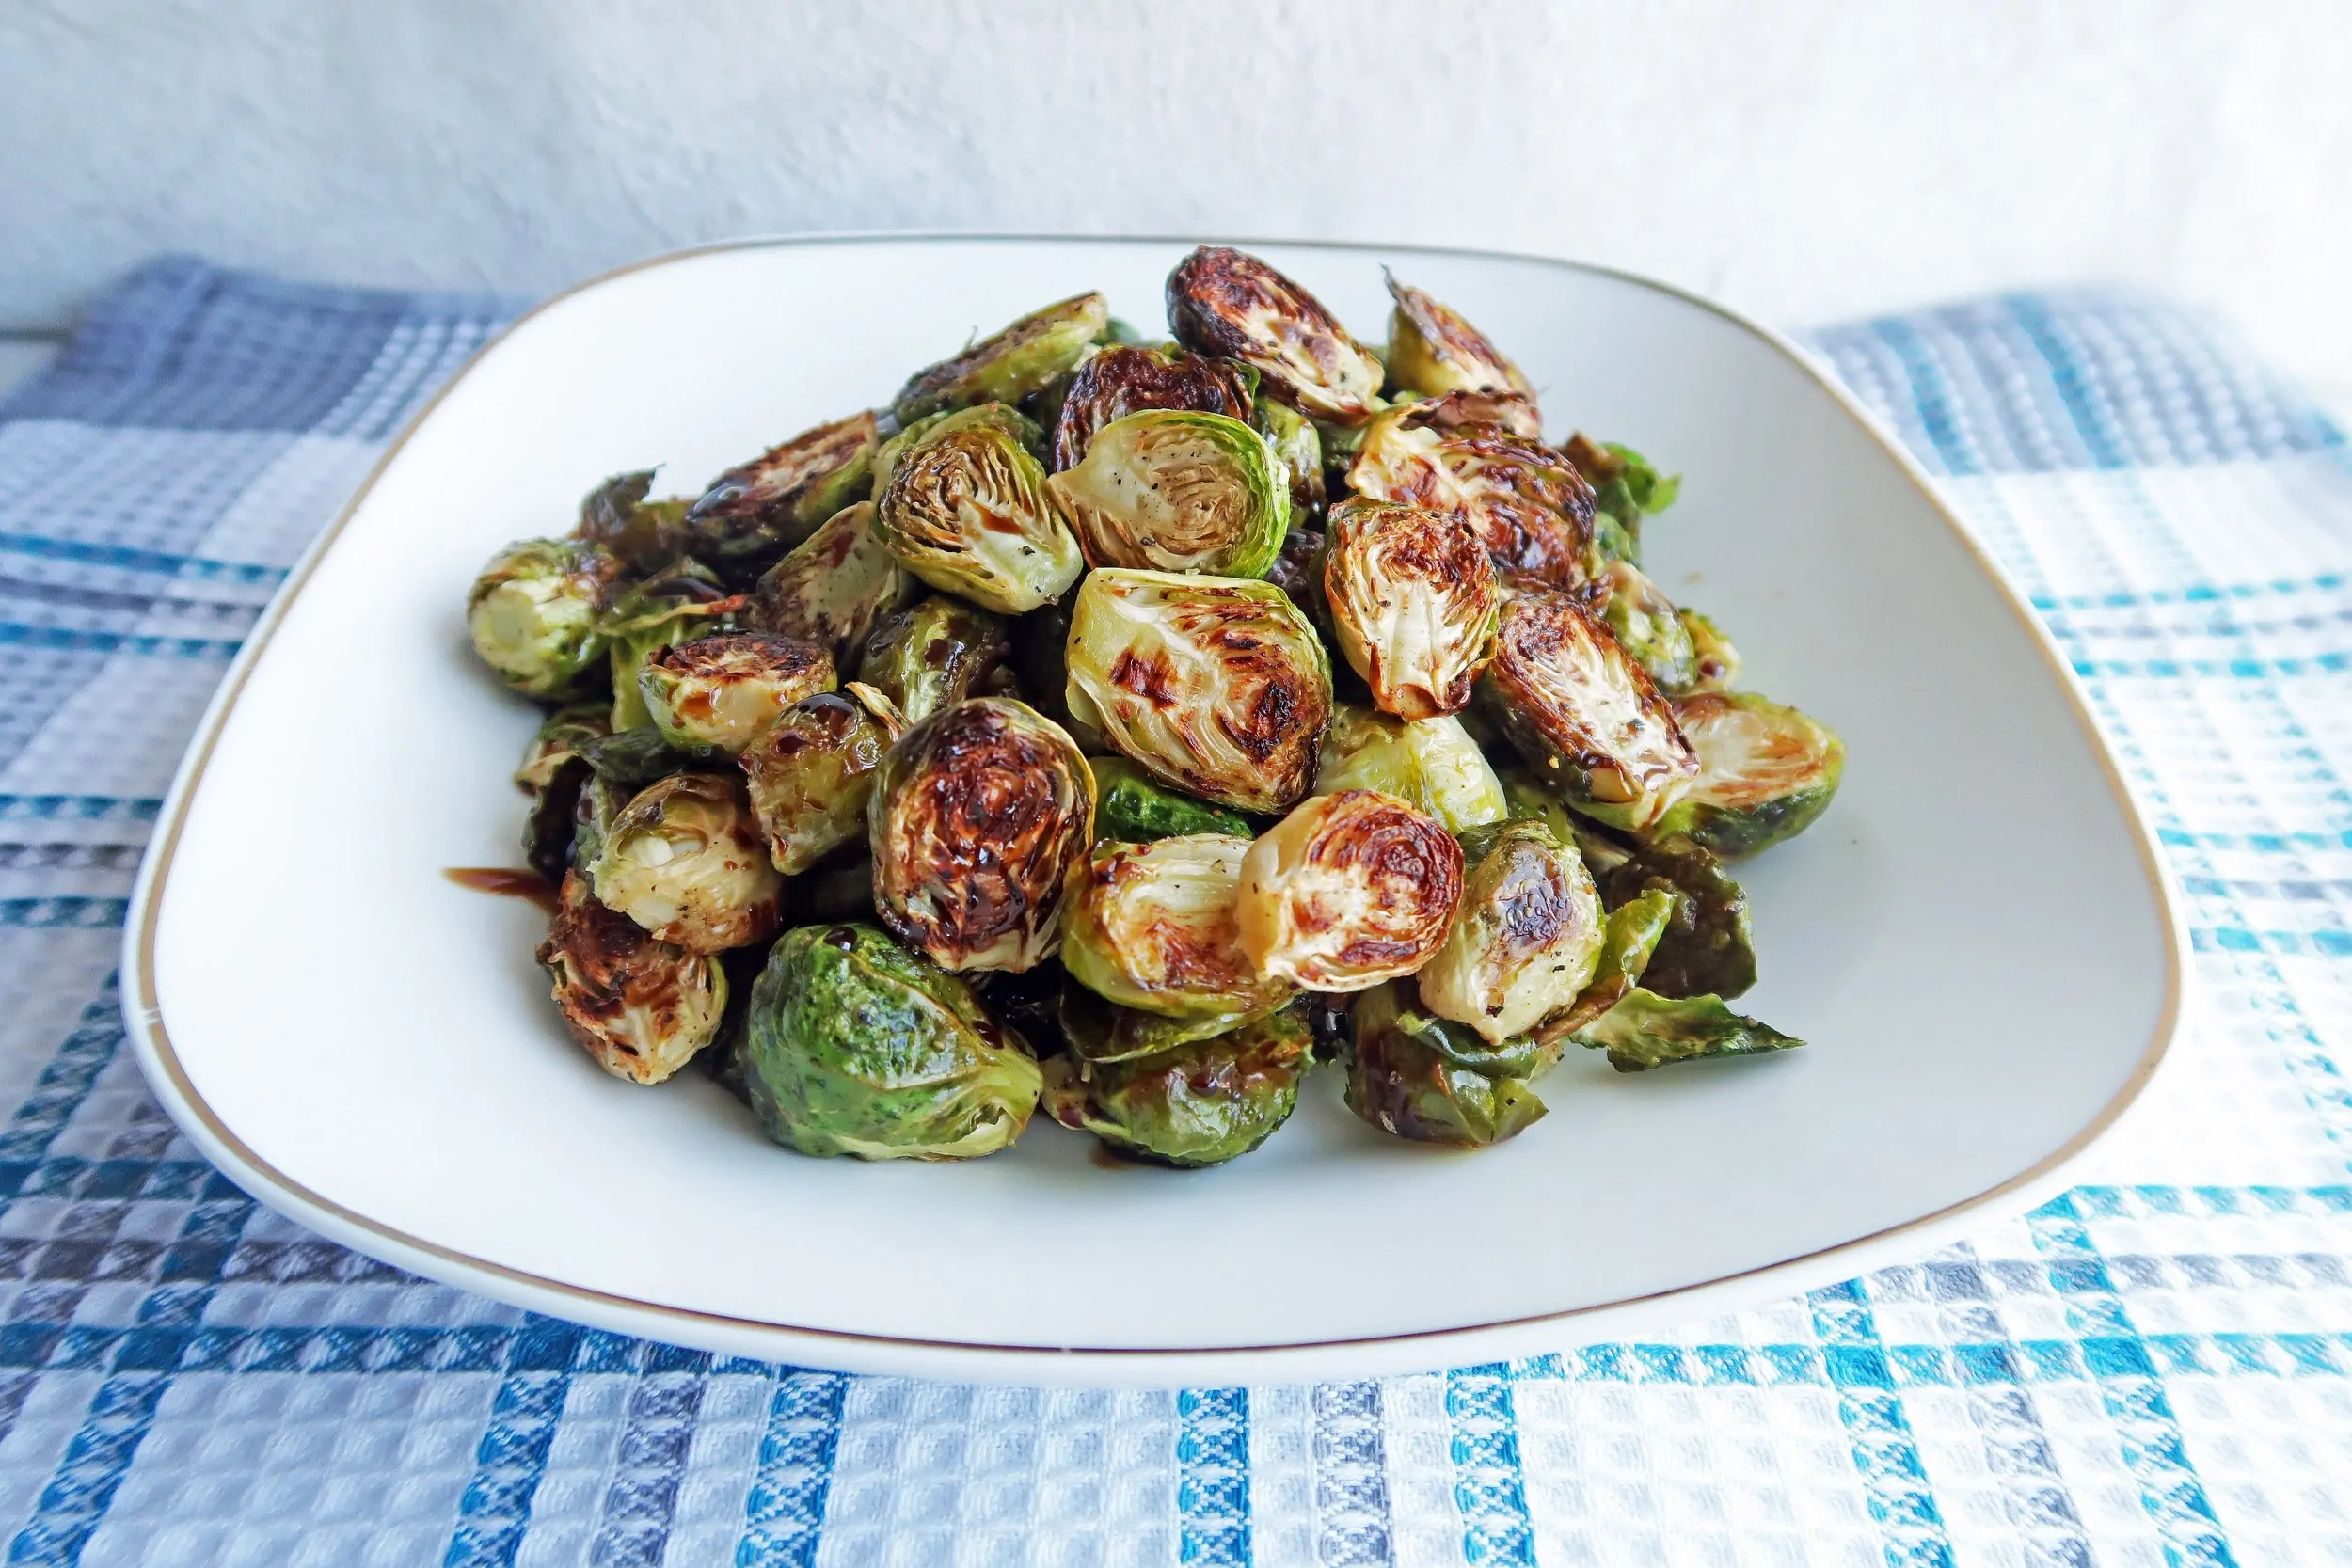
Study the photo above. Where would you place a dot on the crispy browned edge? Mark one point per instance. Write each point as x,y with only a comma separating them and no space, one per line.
144,1014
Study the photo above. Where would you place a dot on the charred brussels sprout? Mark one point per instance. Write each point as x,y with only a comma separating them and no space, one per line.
932,654
535,615
1025,357
752,514
1432,351
1347,891
1708,945
1218,686
1152,926
1413,604
1295,442
1646,1030
1135,808
685,860
1174,491
1102,1031
1432,763
712,695
858,1047
1765,772
1526,504
1432,1081
641,1006
1122,380
834,587
1647,625
964,508
980,812
1524,942
552,772
1223,302
810,774
616,516
1584,713
680,603
1192,1106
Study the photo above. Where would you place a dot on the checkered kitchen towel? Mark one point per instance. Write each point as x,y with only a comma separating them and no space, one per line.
2154,1369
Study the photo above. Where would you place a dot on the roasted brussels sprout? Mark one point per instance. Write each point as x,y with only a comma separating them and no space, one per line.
1629,938
1584,713
964,508
1297,443
1510,411
1647,625
1174,491
552,772
981,811
858,1047
1121,381
685,860
810,775
535,615
1764,771
752,514
634,758
1432,351
1432,763
1223,302
1216,685
1151,927
834,587
1432,1081
680,603
1347,891
932,654
1525,939
1526,504
1627,487
1413,604
641,1006
1707,945
1020,360
1192,1106
1132,807
1646,1029
712,695
1102,1031
616,516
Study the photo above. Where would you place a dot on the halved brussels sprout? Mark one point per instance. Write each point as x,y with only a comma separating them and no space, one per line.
715,693
1132,807
1218,685
1413,604
1347,891
1432,351
964,508
1151,925
997,416
1430,1080
1191,1106
1007,367
1647,625
750,515
1121,381
1764,771
1297,443
1432,763
1102,1031
1646,1030
1716,661
810,775
834,587
1525,940
858,1047
641,1006
932,654
980,812
552,772
1509,411
1175,491
535,615
1584,713
1221,301
1526,504
1631,935
1707,945
685,860
683,601
617,515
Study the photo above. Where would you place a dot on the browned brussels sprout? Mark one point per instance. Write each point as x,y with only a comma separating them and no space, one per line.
680,603
834,587
641,1006
1527,504
750,515
1024,358
810,774
1191,1106
1525,940
552,772
964,506
934,654
1584,713
1509,411
711,696
1432,351
1347,891
1122,380
1764,773
616,516
685,860
981,811
536,615
1413,604
1152,926
1171,490
1432,1081
1707,945
1223,302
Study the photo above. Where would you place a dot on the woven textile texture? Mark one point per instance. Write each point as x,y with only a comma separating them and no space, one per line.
2154,1369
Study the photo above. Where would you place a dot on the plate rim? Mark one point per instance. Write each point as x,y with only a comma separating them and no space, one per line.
972,1360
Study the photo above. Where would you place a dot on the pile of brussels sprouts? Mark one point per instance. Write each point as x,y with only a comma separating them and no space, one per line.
1127,726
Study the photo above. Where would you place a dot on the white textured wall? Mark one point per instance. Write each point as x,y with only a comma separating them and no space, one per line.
1804,158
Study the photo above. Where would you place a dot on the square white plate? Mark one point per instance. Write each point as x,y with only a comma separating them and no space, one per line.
1977,940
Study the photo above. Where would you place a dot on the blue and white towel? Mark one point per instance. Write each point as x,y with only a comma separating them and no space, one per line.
2154,1369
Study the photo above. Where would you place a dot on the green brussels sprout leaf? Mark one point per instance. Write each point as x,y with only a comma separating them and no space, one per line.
616,516
1132,807
1646,1029
1707,945
683,601
932,654
1192,1106
1432,1081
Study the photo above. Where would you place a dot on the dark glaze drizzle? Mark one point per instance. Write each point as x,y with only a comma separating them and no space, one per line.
506,881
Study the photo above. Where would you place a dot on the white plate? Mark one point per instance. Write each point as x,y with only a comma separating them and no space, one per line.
1977,940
